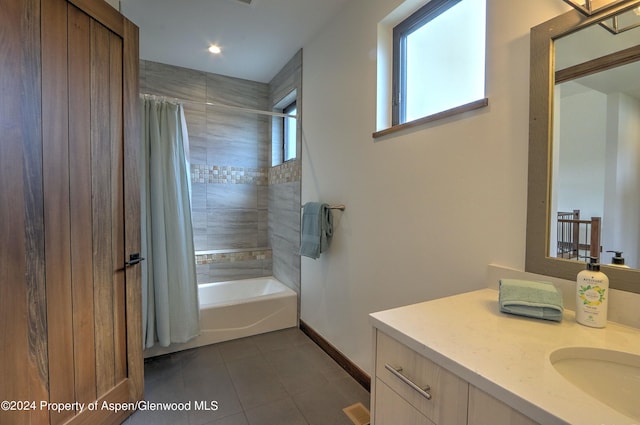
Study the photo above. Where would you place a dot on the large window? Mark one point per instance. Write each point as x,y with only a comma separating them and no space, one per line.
438,59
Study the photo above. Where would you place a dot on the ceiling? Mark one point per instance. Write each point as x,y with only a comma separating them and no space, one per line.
257,37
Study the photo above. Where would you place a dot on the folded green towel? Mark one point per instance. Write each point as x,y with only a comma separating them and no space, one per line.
540,300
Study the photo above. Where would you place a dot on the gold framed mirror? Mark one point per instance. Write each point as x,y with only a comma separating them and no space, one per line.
540,216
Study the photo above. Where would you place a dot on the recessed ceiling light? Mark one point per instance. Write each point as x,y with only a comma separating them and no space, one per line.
214,49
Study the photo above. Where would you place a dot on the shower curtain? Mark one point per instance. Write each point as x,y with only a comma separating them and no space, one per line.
170,311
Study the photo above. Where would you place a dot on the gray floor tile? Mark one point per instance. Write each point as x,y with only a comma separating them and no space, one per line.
352,391
323,406
167,388
162,369
200,357
325,364
238,419
279,378
256,381
159,418
281,412
207,384
238,349
295,370
279,340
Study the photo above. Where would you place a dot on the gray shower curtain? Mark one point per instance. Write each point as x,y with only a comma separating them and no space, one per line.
170,312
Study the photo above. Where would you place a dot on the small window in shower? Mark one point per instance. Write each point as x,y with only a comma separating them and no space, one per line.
284,126
289,135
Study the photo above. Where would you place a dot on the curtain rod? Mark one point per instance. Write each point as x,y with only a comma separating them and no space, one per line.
220,105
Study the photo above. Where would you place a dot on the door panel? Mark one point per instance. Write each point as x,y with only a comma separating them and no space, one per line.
23,335
69,311
117,205
55,119
80,197
131,131
103,267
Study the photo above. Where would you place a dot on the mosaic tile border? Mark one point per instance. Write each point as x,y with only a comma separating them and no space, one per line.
290,171
233,256
222,174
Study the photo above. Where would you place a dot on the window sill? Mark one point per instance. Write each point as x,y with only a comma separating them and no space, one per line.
477,104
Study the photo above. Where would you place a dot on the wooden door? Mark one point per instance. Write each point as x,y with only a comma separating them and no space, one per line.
69,307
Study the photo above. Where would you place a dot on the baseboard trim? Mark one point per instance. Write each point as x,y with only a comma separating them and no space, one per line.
351,368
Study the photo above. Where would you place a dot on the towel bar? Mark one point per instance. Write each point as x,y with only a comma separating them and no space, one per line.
340,207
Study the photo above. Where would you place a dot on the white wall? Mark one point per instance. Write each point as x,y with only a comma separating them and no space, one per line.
426,210
114,3
579,183
621,222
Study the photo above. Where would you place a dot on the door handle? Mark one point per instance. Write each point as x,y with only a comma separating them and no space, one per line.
134,259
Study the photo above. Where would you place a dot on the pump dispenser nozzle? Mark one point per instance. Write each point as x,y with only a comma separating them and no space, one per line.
617,258
593,264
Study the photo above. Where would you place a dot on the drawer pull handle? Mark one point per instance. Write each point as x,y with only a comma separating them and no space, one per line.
397,371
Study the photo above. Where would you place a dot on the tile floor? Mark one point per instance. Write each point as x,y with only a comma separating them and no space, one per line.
278,378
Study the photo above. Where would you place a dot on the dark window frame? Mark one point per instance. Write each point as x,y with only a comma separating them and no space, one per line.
417,20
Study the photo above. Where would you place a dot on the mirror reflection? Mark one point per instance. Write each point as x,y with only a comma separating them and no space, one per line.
595,188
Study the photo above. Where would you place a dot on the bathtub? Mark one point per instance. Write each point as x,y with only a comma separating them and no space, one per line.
239,308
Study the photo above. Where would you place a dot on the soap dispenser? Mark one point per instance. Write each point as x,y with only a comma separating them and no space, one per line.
617,260
592,296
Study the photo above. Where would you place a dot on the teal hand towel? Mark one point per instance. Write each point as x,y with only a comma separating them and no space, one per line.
540,300
317,229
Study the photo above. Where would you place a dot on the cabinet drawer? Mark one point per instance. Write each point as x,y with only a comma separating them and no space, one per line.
486,410
391,409
408,374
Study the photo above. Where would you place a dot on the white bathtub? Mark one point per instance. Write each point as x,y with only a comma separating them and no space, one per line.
239,308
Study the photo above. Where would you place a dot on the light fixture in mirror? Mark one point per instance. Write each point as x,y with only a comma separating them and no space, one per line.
623,22
591,7
542,207
617,23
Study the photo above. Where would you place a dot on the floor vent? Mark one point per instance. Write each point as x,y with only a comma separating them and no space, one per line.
358,414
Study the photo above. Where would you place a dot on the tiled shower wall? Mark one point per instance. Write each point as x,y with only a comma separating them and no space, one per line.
230,170
284,184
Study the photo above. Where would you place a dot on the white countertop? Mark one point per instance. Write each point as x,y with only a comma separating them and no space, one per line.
508,356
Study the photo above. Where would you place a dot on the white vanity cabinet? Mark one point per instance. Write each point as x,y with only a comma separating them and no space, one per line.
486,410
410,389
409,385
483,367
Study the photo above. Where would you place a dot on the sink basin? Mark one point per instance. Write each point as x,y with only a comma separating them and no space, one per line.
613,377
